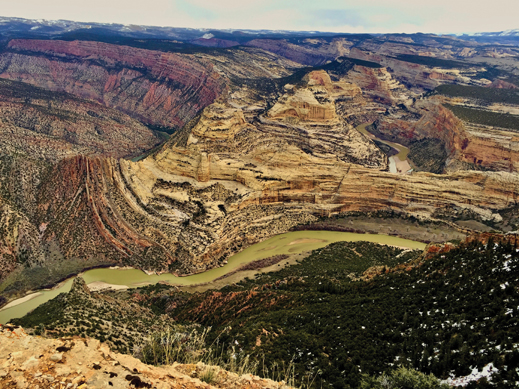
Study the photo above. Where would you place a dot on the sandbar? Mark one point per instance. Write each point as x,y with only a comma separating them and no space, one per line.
306,240
100,285
21,300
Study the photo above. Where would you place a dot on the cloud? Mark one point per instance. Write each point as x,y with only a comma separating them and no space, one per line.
326,15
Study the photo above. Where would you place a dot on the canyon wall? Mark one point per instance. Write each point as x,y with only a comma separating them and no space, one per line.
159,88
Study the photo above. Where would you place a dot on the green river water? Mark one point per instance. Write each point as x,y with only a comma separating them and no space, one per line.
402,150
289,243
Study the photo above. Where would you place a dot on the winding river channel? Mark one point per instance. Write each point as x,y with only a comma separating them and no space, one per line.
288,243
398,164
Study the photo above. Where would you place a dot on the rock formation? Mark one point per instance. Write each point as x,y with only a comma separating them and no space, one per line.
308,52
33,361
260,152
228,181
159,88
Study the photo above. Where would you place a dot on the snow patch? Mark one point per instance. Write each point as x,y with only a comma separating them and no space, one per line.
476,375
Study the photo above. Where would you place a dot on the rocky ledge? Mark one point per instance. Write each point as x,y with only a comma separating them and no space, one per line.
36,362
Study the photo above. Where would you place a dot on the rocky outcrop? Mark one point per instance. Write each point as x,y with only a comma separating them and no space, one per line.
377,84
159,88
501,84
33,361
435,122
315,102
491,148
414,75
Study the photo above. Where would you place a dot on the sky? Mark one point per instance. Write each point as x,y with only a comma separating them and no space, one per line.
349,16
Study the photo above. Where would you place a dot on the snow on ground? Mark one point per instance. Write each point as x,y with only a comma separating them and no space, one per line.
487,372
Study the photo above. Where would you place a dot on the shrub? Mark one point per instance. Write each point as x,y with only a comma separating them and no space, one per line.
402,378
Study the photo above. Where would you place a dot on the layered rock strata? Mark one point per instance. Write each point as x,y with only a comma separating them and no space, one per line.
244,170
159,88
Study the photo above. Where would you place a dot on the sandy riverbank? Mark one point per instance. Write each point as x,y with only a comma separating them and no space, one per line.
22,300
100,285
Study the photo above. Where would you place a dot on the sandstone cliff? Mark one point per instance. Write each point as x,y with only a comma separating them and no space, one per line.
254,162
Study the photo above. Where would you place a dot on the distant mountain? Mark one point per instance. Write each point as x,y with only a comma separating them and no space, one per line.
19,27
514,32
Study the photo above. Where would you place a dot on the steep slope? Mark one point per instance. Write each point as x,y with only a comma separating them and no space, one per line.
343,311
237,174
159,88
53,125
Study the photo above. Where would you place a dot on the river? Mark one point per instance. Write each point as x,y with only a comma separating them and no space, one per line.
288,243
398,163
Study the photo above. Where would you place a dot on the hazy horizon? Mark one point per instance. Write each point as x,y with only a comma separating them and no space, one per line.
372,16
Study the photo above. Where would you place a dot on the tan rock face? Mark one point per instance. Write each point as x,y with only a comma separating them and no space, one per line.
32,361
492,148
417,75
315,102
304,105
218,122
378,84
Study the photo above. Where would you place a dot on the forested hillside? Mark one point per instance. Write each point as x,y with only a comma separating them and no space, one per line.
359,308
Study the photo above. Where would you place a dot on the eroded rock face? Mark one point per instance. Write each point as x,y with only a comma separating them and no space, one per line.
236,176
434,121
255,162
492,148
316,101
158,88
411,74
377,83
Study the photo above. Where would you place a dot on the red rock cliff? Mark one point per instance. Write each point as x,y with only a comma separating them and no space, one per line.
158,88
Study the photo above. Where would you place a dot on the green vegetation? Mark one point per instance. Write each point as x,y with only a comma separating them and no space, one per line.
402,378
447,316
170,345
123,324
432,62
428,155
25,91
339,318
493,73
487,118
45,276
107,36
490,95
354,61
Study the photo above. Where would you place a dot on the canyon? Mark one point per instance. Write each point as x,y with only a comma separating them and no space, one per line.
259,143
